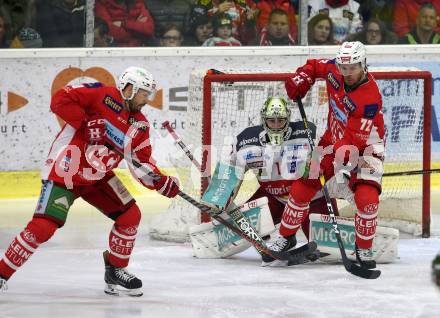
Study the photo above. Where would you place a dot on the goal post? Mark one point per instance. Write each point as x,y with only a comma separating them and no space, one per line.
221,105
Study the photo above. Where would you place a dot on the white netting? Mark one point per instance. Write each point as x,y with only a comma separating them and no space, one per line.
236,105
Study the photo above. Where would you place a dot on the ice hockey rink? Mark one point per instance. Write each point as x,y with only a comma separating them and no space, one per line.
65,277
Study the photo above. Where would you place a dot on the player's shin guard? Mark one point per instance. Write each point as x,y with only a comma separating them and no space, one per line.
37,231
122,237
293,215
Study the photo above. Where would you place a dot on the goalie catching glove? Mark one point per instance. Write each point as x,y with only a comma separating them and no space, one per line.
167,186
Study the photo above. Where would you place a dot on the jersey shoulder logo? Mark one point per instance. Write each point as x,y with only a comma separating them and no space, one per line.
141,125
333,81
113,104
349,105
92,85
371,110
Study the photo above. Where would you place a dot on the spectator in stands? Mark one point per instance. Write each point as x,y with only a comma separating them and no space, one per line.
101,34
61,23
379,9
320,30
374,33
406,12
277,31
222,33
129,21
265,7
424,32
18,14
27,38
200,30
344,14
236,10
170,35
165,12
4,41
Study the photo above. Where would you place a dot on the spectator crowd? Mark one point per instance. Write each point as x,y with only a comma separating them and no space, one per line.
133,23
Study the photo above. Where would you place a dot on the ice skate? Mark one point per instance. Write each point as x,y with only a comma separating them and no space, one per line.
365,257
3,285
119,282
281,244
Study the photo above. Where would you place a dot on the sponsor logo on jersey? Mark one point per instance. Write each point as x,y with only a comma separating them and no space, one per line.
333,81
92,85
371,110
115,135
111,103
65,163
251,155
278,191
348,103
62,202
45,191
141,125
290,147
339,114
300,132
245,142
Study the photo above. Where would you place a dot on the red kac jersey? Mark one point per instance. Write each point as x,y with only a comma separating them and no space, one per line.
354,117
71,160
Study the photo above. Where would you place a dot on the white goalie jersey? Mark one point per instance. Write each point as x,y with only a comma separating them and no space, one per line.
274,166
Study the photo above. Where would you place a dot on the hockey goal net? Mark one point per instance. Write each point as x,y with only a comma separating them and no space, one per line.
221,105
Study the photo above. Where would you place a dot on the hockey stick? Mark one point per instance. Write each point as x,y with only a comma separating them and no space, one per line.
410,173
350,266
244,229
188,153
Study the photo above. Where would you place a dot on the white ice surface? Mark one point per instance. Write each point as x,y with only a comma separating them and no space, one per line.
65,279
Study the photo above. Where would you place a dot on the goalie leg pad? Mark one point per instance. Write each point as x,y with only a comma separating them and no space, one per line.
123,235
367,200
321,231
211,240
38,231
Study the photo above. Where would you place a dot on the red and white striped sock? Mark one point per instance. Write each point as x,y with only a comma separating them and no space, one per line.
293,215
121,242
18,252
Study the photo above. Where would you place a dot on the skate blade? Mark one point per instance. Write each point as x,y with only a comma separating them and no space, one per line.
116,290
274,263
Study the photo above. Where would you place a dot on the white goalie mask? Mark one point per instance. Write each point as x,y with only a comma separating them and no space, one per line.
140,78
351,53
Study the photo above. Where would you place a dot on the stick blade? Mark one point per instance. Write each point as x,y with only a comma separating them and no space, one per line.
363,272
